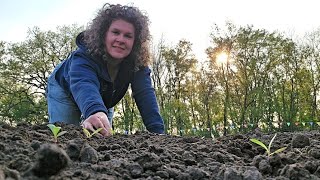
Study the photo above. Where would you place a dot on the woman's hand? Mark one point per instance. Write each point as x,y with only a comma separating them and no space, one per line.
96,121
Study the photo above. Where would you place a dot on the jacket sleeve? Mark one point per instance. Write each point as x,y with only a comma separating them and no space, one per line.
146,101
84,86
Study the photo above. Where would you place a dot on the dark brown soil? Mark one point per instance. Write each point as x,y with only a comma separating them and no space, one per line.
29,152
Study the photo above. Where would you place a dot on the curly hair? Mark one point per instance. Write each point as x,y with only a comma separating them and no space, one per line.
95,33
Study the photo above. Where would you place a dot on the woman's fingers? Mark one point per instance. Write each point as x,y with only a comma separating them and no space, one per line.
86,124
106,124
100,124
107,131
96,121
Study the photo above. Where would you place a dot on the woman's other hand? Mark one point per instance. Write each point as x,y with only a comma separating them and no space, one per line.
96,121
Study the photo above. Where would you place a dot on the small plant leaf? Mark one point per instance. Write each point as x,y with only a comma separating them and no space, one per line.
260,144
278,150
51,126
86,132
61,133
269,147
96,131
54,129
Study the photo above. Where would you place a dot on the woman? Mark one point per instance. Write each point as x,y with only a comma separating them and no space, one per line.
112,53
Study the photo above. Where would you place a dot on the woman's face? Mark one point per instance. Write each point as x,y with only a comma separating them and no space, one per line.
119,39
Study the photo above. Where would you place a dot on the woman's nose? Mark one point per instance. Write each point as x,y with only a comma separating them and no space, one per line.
120,38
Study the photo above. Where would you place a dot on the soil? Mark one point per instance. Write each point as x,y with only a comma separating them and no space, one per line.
29,152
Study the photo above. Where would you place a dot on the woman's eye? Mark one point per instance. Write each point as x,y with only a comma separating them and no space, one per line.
128,36
115,32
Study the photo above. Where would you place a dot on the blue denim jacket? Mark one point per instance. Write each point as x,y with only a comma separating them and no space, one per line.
87,80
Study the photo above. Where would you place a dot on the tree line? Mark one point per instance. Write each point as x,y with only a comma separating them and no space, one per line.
267,80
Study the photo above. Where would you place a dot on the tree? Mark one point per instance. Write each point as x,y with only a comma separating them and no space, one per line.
32,61
25,68
179,62
310,54
159,78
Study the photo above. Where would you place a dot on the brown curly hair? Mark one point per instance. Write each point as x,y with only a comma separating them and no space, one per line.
95,34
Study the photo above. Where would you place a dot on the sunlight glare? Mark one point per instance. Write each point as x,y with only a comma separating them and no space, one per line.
222,58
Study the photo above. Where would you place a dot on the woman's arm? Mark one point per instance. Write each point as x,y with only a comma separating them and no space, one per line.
84,87
145,98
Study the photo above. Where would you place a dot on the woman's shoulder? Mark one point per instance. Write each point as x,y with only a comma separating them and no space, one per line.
145,69
142,74
80,58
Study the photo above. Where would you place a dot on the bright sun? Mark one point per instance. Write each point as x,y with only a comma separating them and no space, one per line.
222,58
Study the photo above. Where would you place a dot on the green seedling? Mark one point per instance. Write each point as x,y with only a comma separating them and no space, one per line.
268,149
88,134
55,131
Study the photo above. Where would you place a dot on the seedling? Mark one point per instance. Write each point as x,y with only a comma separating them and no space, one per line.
268,149
88,134
55,131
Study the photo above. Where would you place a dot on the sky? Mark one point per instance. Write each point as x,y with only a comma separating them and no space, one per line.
172,19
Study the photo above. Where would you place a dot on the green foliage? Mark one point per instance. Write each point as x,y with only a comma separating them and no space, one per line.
268,149
55,131
32,60
19,104
180,63
88,134
24,70
270,80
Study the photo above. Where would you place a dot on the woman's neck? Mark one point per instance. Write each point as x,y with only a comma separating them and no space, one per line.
113,66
